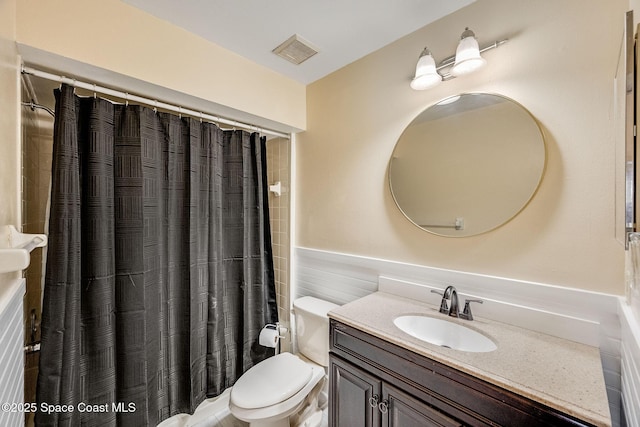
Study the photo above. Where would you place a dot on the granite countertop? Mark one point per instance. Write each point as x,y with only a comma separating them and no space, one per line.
556,372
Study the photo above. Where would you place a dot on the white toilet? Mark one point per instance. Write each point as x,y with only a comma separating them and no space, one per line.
286,389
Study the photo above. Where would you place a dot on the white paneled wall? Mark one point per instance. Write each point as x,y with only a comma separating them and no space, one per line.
630,365
582,316
11,353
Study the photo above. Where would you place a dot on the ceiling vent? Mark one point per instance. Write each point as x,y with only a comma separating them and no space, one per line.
295,50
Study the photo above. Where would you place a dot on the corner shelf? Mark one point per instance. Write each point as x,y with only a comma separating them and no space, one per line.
15,248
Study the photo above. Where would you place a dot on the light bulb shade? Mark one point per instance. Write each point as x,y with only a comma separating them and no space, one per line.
426,74
468,57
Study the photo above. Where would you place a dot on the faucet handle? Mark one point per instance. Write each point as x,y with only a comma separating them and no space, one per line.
444,308
466,313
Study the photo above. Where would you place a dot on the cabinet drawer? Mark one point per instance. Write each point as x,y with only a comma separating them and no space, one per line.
458,394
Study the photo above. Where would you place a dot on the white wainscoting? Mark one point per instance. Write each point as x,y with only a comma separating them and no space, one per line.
587,317
11,351
630,364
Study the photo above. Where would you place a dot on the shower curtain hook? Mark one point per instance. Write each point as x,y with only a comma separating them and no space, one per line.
179,111
155,106
94,91
126,99
201,116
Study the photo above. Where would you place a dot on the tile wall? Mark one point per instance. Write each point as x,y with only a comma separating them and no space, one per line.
37,143
278,170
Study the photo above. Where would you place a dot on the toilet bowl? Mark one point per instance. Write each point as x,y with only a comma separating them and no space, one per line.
271,391
289,389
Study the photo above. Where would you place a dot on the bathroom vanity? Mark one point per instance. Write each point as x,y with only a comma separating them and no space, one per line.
381,376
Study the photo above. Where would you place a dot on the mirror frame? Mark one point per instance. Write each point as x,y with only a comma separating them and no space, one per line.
519,210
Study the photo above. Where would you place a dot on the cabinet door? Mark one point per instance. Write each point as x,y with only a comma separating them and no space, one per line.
354,396
404,410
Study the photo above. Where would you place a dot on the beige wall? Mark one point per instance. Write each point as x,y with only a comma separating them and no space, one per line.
560,64
635,6
9,98
114,36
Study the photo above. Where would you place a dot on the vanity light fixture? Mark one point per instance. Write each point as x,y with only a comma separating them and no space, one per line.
468,57
426,74
466,60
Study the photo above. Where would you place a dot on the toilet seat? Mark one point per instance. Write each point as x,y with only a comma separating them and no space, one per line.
283,408
271,381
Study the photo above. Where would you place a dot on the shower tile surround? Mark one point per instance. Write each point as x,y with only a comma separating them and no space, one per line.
37,146
278,170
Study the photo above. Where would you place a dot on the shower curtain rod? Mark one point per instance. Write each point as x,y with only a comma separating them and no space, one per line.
149,102
33,106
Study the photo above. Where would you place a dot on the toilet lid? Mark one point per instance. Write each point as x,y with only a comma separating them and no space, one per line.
271,381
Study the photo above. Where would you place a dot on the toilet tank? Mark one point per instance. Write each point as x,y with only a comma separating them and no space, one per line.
312,328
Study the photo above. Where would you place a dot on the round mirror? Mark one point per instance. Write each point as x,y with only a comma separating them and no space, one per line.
467,164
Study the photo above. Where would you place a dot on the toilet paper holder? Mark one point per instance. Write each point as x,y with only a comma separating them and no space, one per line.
271,334
282,330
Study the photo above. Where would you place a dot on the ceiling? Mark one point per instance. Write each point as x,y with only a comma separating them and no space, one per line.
343,31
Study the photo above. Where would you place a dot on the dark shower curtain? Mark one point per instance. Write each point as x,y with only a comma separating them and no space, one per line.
160,273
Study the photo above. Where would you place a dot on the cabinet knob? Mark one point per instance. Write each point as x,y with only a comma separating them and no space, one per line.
383,406
373,401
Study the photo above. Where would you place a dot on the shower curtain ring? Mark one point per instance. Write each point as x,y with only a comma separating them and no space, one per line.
155,106
126,99
94,91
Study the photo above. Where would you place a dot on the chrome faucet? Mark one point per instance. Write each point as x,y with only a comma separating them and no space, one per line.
453,295
450,293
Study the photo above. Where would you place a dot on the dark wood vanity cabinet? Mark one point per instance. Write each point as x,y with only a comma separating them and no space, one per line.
375,383
361,399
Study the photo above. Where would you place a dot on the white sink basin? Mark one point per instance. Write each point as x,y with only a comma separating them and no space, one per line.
444,333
